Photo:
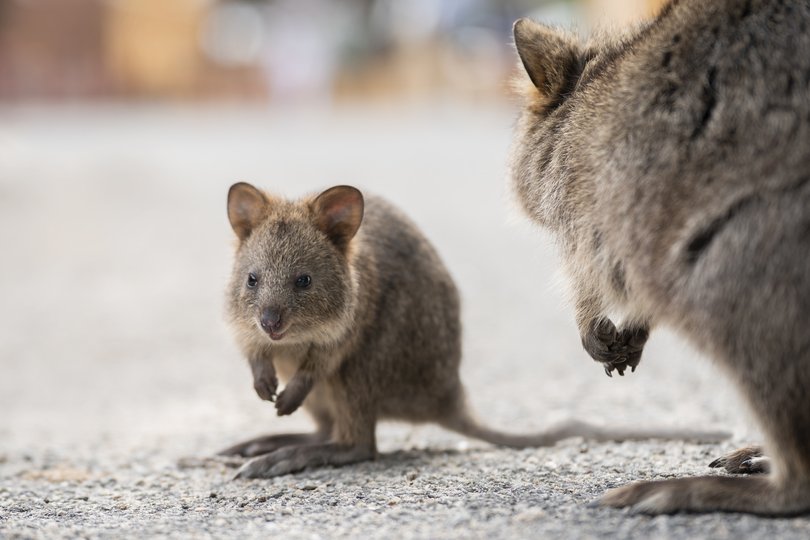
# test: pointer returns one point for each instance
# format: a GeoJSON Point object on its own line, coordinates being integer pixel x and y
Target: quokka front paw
{"type": "Point", "coordinates": [265, 381]}
{"type": "Point", "coordinates": [616, 349]}
{"type": "Point", "coordinates": [293, 395]}
{"type": "Point", "coordinates": [287, 403]}
{"type": "Point", "coordinates": [266, 387]}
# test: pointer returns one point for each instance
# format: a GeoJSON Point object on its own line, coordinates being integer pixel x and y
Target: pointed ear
{"type": "Point", "coordinates": [338, 213]}
{"type": "Point", "coordinates": [246, 208]}
{"type": "Point", "coordinates": [550, 57]}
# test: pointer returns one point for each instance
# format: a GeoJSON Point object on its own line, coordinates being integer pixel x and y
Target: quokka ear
{"type": "Point", "coordinates": [246, 208]}
{"type": "Point", "coordinates": [338, 213]}
{"type": "Point", "coordinates": [551, 57]}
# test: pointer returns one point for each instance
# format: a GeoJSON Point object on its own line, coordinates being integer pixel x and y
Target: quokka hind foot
{"type": "Point", "coordinates": [751, 494]}
{"type": "Point", "coordinates": [292, 459]}
{"type": "Point", "coordinates": [269, 443]}
{"type": "Point", "coordinates": [746, 460]}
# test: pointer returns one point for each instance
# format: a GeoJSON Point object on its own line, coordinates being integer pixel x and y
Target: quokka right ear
{"type": "Point", "coordinates": [551, 57]}
{"type": "Point", "coordinates": [338, 213]}
{"type": "Point", "coordinates": [246, 208]}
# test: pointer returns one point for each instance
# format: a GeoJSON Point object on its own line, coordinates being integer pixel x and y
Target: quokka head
{"type": "Point", "coordinates": [292, 280]}
{"type": "Point", "coordinates": [553, 62]}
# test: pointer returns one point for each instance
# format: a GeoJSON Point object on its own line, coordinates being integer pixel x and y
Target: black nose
{"type": "Point", "coordinates": [271, 319]}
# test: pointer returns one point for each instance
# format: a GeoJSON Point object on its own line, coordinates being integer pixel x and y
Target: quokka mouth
{"type": "Point", "coordinates": [273, 334]}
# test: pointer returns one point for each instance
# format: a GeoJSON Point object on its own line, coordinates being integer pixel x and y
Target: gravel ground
{"type": "Point", "coordinates": [119, 380]}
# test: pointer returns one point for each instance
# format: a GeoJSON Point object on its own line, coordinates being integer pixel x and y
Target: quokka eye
{"type": "Point", "coordinates": [303, 281]}
{"type": "Point", "coordinates": [252, 280]}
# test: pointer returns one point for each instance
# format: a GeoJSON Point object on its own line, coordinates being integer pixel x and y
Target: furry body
{"type": "Point", "coordinates": [673, 164]}
{"type": "Point", "coordinates": [361, 322]}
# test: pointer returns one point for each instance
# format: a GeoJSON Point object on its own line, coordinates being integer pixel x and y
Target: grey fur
{"type": "Point", "coordinates": [679, 153]}
{"type": "Point", "coordinates": [376, 335]}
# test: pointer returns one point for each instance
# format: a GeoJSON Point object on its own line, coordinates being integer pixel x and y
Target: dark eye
{"type": "Point", "coordinates": [252, 280]}
{"type": "Point", "coordinates": [303, 281]}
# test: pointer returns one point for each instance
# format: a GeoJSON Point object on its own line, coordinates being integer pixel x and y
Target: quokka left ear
{"type": "Point", "coordinates": [246, 208]}
{"type": "Point", "coordinates": [338, 213]}
{"type": "Point", "coordinates": [551, 57]}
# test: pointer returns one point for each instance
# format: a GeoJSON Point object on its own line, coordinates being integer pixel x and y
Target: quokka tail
{"type": "Point", "coordinates": [466, 424]}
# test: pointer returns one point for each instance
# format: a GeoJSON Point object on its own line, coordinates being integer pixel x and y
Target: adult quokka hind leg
{"type": "Point", "coordinates": [753, 318]}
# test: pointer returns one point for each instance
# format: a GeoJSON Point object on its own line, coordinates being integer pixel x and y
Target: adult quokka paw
{"type": "Point", "coordinates": [748, 460]}
{"type": "Point", "coordinates": [616, 349]}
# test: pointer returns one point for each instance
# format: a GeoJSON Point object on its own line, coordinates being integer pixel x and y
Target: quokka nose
{"type": "Point", "coordinates": [270, 319]}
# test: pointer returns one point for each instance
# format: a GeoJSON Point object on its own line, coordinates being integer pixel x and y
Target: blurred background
{"type": "Point", "coordinates": [122, 125]}
{"type": "Point", "coordinates": [276, 51]}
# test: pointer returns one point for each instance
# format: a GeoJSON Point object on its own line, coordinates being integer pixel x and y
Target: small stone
{"type": "Point", "coordinates": [533, 514]}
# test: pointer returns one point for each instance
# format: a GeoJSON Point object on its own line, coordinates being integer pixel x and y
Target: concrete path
{"type": "Point", "coordinates": [118, 376]}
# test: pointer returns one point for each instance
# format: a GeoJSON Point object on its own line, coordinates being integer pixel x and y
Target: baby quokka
{"type": "Point", "coordinates": [342, 298]}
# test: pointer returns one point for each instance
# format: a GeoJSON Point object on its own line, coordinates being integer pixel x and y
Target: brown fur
{"type": "Point", "coordinates": [674, 169]}
{"type": "Point", "coordinates": [376, 334]}
{"type": "Point", "coordinates": [747, 460]}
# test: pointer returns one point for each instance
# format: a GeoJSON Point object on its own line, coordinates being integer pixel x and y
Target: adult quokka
{"type": "Point", "coordinates": [673, 164]}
